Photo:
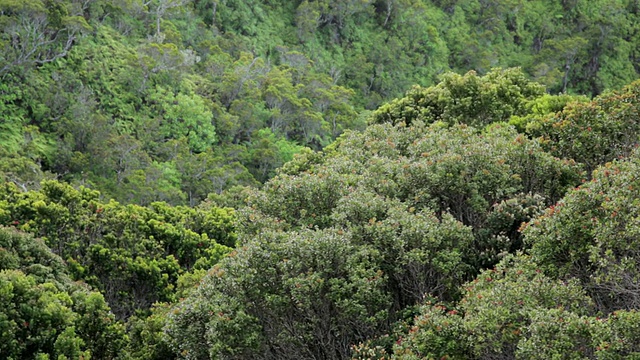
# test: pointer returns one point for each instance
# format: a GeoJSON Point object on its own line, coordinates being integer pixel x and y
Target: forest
{"type": "Point", "coordinates": [319, 179]}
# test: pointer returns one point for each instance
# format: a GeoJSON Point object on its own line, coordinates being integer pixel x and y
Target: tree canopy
{"type": "Point", "coordinates": [329, 179]}
{"type": "Point", "coordinates": [133, 98]}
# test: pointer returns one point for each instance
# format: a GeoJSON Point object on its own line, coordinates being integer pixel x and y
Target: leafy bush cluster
{"type": "Point", "coordinates": [433, 210]}
{"type": "Point", "coordinates": [170, 100]}
{"type": "Point", "coordinates": [44, 313]}
{"type": "Point", "coordinates": [134, 255]}
{"type": "Point", "coordinates": [478, 218]}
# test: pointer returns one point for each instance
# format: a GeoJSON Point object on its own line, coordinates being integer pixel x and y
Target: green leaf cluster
{"type": "Point", "coordinates": [341, 245]}
{"type": "Point", "coordinates": [45, 314]}
{"type": "Point", "coordinates": [132, 254]}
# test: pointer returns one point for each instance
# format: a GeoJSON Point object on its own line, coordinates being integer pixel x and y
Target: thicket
{"type": "Point", "coordinates": [171, 100]}
{"type": "Point", "coordinates": [407, 239]}
{"type": "Point", "coordinates": [436, 232]}
{"type": "Point", "coordinates": [477, 216]}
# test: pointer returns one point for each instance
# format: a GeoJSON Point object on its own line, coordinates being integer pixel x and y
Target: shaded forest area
{"type": "Point", "coordinates": [359, 179]}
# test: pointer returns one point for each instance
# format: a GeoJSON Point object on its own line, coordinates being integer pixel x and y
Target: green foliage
{"type": "Point", "coordinates": [511, 311]}
{"type": "Point", "coordinates": [133, 254]}
{"type": "Point", "coordinates": [184, 114]}
{"type": "Point", "coordinates": [171, 102]}
{"type": "Point", "coordinates": [515, 312]}
{"type": "Point", "coordinates": [283, 296]}
{"type": "Point", "coordinates": [98, 93]}
{"type": "Point", "coordinates": [469, 99]}
{"type": "Point", "coordinates": [37, 32]}
{"type": "Point", "coordinates": [269, 152]}
{"type": "Point", "coordinates": [589, 235]}
{"type": "Point", "coordinates": [541, 107]}
{"type": "Point", "coordinates": [421, 253]}
{"type": "Point", "coordinates": [427, 220]}
{"type": "Point", "coordinates": [44, 313]}
{"type": "Point", "coordinates": [423, 167]}
{"type": "Point", "coordinates": [437, 332]}
{"type": "Point", "coordinates": [31, 256]}
{"type": "Point", "coordinates": [147, 340]}
{"type": "Point", "coordinates": [593, 132]}
{"type": "Point", "coordinates": [505, 305]}
{"type": "Point", "coordinates": [616, 337]}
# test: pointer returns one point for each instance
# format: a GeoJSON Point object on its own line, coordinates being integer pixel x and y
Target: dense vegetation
{"type": "Point", "coordinates": [326, 179]}
{"type": "Point", "coordinates": [171, 100]}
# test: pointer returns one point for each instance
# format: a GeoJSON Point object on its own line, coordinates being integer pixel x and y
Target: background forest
{"type": "Point", "coordinates": [365, 179]}
{"type": "Point", "coordinates": [171, 100]}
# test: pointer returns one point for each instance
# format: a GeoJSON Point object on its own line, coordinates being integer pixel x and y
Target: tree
{"type": "Point", "coordinates": [309, 294]}
{"type": "Point", "coordinates": [161, 7]}
{"type": "Point", "coordinates": [469, 99]}
{"type": "Point", "coordinates": [268, 152]}
{"type": "Point", "coordinates": [594, 132]}
{"type": "Point", "coordinates": [589, 235]}
{"type": "Point", "coordinates": [564, 54]}
{"type": "Point", "coordinates": [419, 221]}
{"type": "Point", "coordinates": [132, 254]}
{"type": "Point", "coordinates": [37, 32]}
{"type": "Point", "coordinates": [184, 114]}
{"type": "Point", "coordinates": [510, 311]}
{"type": "Point", "coordinates": [421, 166]}
{"type": "Point", "coordinates": [44, 312]}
